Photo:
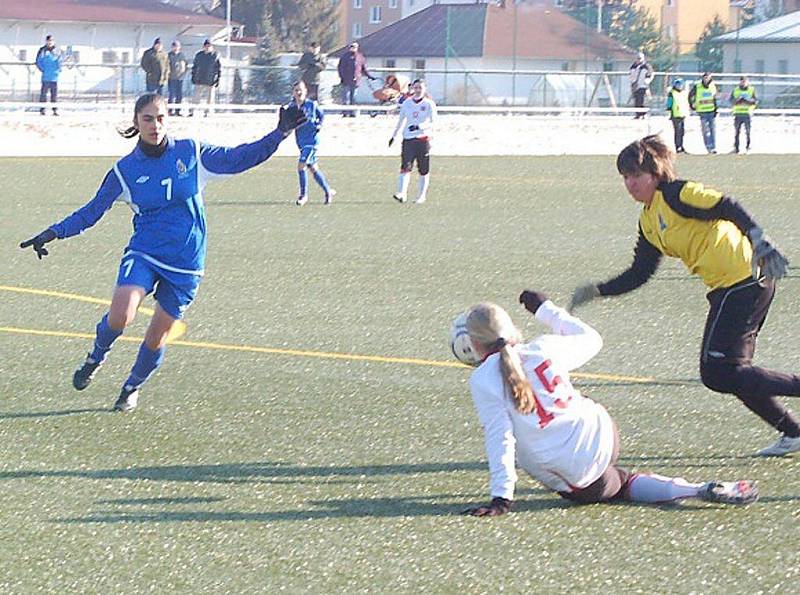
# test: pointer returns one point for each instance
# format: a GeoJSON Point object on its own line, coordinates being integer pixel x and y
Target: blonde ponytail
{"type": "Point", "coordinates": [491, 328]}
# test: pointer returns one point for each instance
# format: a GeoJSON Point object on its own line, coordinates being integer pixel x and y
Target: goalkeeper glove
{"type": "Point", "coordinates": [391, 141]}
{"type": "Point", "coordinates": [766, 255]}
{"type": "Point", "coordinates": [290, 118]}
{"type": "Point", "coordinates": [583, 294]}
{"type": "Point", "coordinates": [498, 506]}
{"type": "Point", "coordinates": [38, 242]}
{"type": "Point", "coordinates": [532, 300]}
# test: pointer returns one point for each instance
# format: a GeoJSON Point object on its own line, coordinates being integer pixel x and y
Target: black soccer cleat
{"type": "Point", "coordinates": [128, 399]}
{"type": "Point", "coordinates": [85, 373]}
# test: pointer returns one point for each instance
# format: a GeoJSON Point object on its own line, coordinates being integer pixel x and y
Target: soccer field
{"type": "Point", "coordinates": [310, 432]}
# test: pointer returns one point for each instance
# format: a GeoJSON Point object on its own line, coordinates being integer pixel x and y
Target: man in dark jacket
{"type": "Point", "coordinates": [352, 66]}
{"type": "Point", "coordinates": [311, 64]}
{"type": "Point", "coordinates": [155, 64]}
{"type": "Point", "coordinates": [177, 71]}
{"type": "Point", "coordinates": [206, 70]}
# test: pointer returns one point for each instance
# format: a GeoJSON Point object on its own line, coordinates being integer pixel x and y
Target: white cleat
{"type": "Point", "coordinates": [128, 399]}
{"type": "Point", "coordinates": [730, 492]}
{"type": "Point", "coordinates": [329, 196]}
{"type": "Point", "coordinates": [783, 446]}
{"type": "Point", "coordinates": [421, 199]}
{"type": "Point", "coordinates": [301, 200]}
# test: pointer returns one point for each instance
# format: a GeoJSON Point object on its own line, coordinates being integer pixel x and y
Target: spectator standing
{"type": "Point", "coordinates": [743, 99]}
{"type": "Point", "coordinates": [206, 70]}
{"type": "Point", "coordinates": [641, 74]}
{"type": "Point", "coordinates": [352, 66]}
{"type": "Point", "coordinates": [177, 70]}
{"type": "Point", "coordinates": [678, 108]}
{"type": "Point", "coordinates": [48, 61]}
{"type": "Point", "coordinates": [703, 99]}
{"type": "Point", "coordinates": [311, 65]}
{"type": "Point", "coordinates": [155, 64]}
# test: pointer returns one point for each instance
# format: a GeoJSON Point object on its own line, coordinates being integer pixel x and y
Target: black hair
{"type": "Point", "coordinates": [141, 103]}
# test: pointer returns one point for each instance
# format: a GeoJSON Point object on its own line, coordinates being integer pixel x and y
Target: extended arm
{"type": "Point", "coordinates": [646, 259]}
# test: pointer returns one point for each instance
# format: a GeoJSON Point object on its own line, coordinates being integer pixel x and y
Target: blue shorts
{"type": "Point", "coordinates": [174, 291]}
{"type": "Point", "coordinates": [308, 154]}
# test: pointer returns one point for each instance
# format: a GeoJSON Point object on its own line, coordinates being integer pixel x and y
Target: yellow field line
{"type": "Point", "coordinates": [303, 353]}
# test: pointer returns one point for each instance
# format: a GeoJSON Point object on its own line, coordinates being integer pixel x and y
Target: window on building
{"type": "Point", "coordinates": [760, 66]}
{"type": "Point", "coordinates": [358, 30]}
{"type": "Point", "coordinates": [558, 3]}
{"type": "Point", "coordinates": [76, 56]}
{"type": "Point", "coordinates": [419, 68]}
{"type": "Point", "coordinates": [375, 14]}
{"type": "Point", "coordinates": [109, 57]}
{"type": "Point", "coordinates": [357, 3]}
{"type": "Point", "coordinates": [608, 66]}
{"type": "Point", "coordinates": [390, 63]}
{"type": "Point", "coordinates": [565, 66]}
{"type": "Point", "coordinates": [22, 55]}
{"type": "Point", "coordinates": [392, 3]}
{"type": "Point", "coordinates": [783, 66]}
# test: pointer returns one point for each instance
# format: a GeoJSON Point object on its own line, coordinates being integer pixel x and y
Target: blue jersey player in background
{"type": "Point", "coordinates": [307, 137]}
{"type": "Point", "coordinates": [162, 181]}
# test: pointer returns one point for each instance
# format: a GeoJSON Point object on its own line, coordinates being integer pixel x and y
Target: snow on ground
{"type": "Point", "coordinates": [94, 134]}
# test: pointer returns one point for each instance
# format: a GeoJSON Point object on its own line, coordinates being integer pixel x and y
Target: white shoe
{"type": "Point", "coordinates": [301, 200]}
{"type": "Point", "coordinates": [128, 399]}
{"type": "Point", "coordinates": [421, 199]}
{"type": "Point", "coordinates": [399, 197]}
{"type": "Point", "coordinates": [730, 492]}
{"type": "Point", "coordinates": [783, 446]}
{"type": "Point", "coordinates": [329, 196]}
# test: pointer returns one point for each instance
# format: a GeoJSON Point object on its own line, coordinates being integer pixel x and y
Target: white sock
{"type": "Point", "coordinates": [654, 488]}
{"type": "Point", "coordinates": [423, 185]}
{"type": "Point", "coordinates": [402, 183]}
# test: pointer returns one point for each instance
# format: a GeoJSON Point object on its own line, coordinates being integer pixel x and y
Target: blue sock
{"type": "Point", "coordinates": [104, 340]}
{"type": "Point", "coordinates": [320, 178]}
{"type": "Point", "coordinates": [301, 173]}
{"type": "Point", "coordinates": [147, 362]}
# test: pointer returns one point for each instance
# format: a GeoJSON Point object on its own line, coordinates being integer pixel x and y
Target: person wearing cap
{"type": "Point", "coordinates": [352, 66]}
{"type": "Point", "coordinates": [703, 99]}
{"type": "Point", "coordinates": [678, 109]}
{"type": "Point", "coordinates": [155, 64]}
{"type": "Point", "coordinates": [640, 74]}
{"type": "Point", "coordinates": [743, 99]}
{"type": "Point", "coordinates": [206, 70]}
{"type": "Point", "coordinates": [177, 71]}
{"type": "Point", "coordinates": [48, 60]}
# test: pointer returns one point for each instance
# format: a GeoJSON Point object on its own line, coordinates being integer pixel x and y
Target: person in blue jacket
{"type": "Point", "coordinates": [48, 61]}
{"type": "Point", "coordinates": [162, 181]}
{"type": "Point", "coordinates": [307, 137]}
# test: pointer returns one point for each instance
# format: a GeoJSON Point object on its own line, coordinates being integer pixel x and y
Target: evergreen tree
{"type": "Point", "coordinates": [267, 85]}
{"type": "Point", "coordinates": [295, 23]}
{"type": "Point", "coordinates": [709, 52]}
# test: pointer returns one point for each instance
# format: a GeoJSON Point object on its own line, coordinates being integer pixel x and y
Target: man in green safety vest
{"type": "Point", "coordinates": [743, 99]}
{"type": "Point", "coordinates": [678, 108]}
{"type": "Point", "coordinates": [703, 99]}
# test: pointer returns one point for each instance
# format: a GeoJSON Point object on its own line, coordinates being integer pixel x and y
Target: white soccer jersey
{"type": "Point", "coordinates": [568, 440]}
{"type": "Point", "coordinates": [418, 117]}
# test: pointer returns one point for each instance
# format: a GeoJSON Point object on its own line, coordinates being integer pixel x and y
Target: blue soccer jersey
{"type": "Point", "coordinates": [307, 135]}
{"type": "Point", "coordinates": [165, 194]}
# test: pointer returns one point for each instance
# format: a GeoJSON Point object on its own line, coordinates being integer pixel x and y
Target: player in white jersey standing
{"type": "Point", "coordinates": [417, 114]}
{"type": "Point", "coordinates": [532, 414]}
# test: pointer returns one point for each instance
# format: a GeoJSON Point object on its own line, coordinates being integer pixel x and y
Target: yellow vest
{"type": "Point", "coordinates": [680, 103]}
{"type": "Point", "coordinates": [704, 98]}
{"type": "Point", "coordinates": [743, 108]}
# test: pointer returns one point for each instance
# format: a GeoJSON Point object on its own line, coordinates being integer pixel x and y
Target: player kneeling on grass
{"type": "Point", "coordinates": [717, 239]}
{"type": "Point", "coordinates": [162, 180]}
{"type": "Point", "coordinates": [307, 137]}
{"type": "Point", "coordinates": [416, 119]}
{"type": "Point", "coordinates": [532, 414]}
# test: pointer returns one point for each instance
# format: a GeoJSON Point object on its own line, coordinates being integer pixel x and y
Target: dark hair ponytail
{"type": "Point", "coordinates": [142, 102]}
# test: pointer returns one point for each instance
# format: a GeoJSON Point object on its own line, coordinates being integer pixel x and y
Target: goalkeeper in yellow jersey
{"type": "Point", "coordinates": [718, 240]}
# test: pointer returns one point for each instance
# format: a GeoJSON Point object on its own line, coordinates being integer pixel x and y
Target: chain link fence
{"type": "Point", "coordinates": [115, 83]}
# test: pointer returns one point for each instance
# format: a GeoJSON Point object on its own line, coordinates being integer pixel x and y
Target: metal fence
{"type": "Point", "coordinates": [101, 83]}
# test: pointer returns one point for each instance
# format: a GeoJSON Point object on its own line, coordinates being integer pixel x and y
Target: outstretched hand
{"type": "Point", "coordinates": [766, 256]}
{"type": "Point", "coordinates": [290, 118]}
{"type": "Point", "coordinates": [583, 294]}
{"type": "Point", "coordinates": [532, 300]}
{"type": "Point", "coordinates": [497, 507]}
{"type": "Point", "coordinates": [38, 242]}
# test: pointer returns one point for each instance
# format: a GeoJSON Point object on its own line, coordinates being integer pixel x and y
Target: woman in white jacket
{"type": "Point", "coordinates": [532, 414]}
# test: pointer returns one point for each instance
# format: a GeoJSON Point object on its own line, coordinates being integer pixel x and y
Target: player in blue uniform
{"type": "Point", "coordinates": [162, 181]}
{"type": "Point", "coordinates": [307, 137]}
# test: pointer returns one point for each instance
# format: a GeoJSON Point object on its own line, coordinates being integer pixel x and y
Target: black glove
{"type": "Point", "coordinates": [532, 300]}
{"type": "Point", "coordinates": [290, 118]}
{"type": "Point", "coordinates": [498, 506]}
{"type": "Point", "coordinates": [391, 141]}
{"type": "Point", "coordinates": [38, 242]}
